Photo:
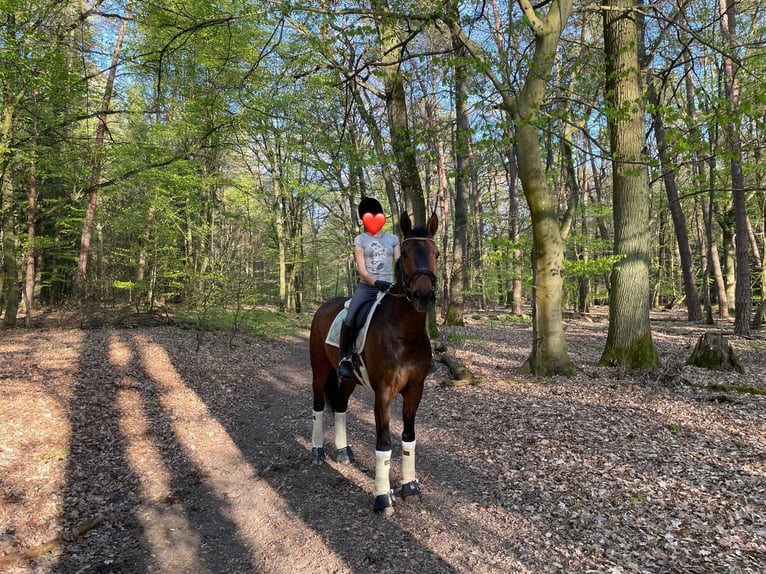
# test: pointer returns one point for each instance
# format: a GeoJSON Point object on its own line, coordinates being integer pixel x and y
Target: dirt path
{"type": "Point", "coordinates": [195, 460]}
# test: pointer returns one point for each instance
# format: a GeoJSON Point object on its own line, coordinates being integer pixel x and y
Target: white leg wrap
{"type": "Point", "coordinates": [382, 467]}
{"type": "Point", "coordinates": [408, 462]}
{"type": "Point", "coordinates": [340, 431]}
{"type": "Point", "coordinates": [317, 434]}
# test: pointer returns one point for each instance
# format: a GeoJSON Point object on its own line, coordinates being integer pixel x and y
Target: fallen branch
{"type": "Point", "coordinates": [53, 545]}
{"type": "Point", "coordinates": [461, 374]}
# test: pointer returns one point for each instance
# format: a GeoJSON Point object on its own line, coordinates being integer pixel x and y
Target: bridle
{"type": "Point", "coordinates": [406, 280]}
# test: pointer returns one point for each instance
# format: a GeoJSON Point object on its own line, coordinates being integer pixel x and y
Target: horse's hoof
{"type": "Point", "coordinates": [344, 455]}
{"type": "Point", "coordinates": [317, 455]}
{"type": "Point", "coordinates": [384, 503]}
{"type": "Point", "coordinates": [412, 488]}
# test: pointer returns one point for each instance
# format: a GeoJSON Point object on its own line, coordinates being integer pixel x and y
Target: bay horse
{"type": "Point", "coordinates": [397, 354]}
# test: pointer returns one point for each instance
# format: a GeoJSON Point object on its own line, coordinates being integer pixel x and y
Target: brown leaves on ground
{"type": "Point", "coordinates": [197, 460]}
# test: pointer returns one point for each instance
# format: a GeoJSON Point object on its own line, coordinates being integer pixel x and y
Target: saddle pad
{"type": "Point", "coordinates": [333, 335]}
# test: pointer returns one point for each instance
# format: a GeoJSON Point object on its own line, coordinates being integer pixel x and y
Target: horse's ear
{"type": "Point", "coordinates": [405, 224]}
{"type": "Point", "coordinates": [433, 224]}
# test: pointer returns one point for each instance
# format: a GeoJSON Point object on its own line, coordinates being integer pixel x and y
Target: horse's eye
{"type": "Point", "coordinates": [437, 254]}
{"type": "Point", "coordinates": [404, 255]}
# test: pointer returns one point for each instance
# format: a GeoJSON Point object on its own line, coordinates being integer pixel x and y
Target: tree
{"type": "Point", "coordinates": [454, 315]}
{"type": "Point", "coordinates": [391, 48]}
{"type": "Point", "coordinates": [98, 159]}
{"type": "Point", "coordinates": [549, 354]}
{"type": "Point", "coordinates": [629, 339]}
{"type": "Point", "coordinates": [693, 310]}
{"type": "Point", "coordinates": [743, 294]}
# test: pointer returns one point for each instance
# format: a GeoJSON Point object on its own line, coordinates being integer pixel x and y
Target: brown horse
{"type": "Point", "coordinates": [397, 354]}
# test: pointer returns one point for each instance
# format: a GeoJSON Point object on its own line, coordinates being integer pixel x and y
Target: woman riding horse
{"type": "Point", "coordinates": [397, 356]}
{"type": "Point", "coordinates": [375, 253]}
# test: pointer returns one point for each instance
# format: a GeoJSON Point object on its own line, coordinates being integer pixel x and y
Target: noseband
{"type": "Point", "coordinates": [408, 279]}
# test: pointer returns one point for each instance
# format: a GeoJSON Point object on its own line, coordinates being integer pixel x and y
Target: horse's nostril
{"type": "Point", "coordinates": [424, 298]}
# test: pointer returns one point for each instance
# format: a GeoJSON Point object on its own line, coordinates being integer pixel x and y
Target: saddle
{"type": "Point", "coordinates": [362, 325]}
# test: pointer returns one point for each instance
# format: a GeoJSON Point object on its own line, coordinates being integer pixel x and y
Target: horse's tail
{"type": "Point", "coordinates": [333, 392]}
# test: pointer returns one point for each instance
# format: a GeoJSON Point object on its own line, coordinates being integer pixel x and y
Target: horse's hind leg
{"type": "Point", "coordinates": [325, 386]}
{"type": "Point", "coordinates": [411, 400]}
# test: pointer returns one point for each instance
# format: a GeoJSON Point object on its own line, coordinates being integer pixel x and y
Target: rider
{"type": "Point", "coordinates": [375, 254]}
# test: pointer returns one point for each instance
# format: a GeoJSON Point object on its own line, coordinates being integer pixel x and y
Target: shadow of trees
{"type": "Point", "coordinates": [513, 476]}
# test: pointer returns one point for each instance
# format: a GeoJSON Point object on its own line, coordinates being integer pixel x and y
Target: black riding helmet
{"type": "Point", "coordinates": [369, 205]}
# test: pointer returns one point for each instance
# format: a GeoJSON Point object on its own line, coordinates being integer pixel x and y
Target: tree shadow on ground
{"type": "Point", "coordinates": [513, 476]}
{"type": "Point", "coordinates": [105, 476]}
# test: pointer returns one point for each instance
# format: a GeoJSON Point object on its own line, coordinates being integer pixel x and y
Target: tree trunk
{"type": "Point", "coordinates": [713, 254]}
{"type": "Point", "coordinates": [693, 310]}
{"type": "Point", "coordinates": [761, 313]}
{"type": "Point", "coordinates": [29, 270]}
{"type": "Point", "coordinates": [729, 265]}
{"type": "Point", "coordinates": [444, 218]}
{"type": "Point", "coordinates": [9, 285]}
{"type": "Point", "coordinates": [460, 257]}
{"type": "Point", "coordinates": [10, 268]}
{"type": "Point", "coordinates": [476, 274]}
{"type": "Point", "coordinates": [743, 293]}
{"type": "Point", "coordinates": [379, 145]}
{"type": "Point", "coordinates": [713, 351]}
{"type": "Point", "coordinates": [95, 178]}
{"type": "Point", "coordinates": [396, 111]}
{"type": "Point", "coordinates": [514, 292]}
{"type": "Point", "coordinates": [583, 282]}
{"type": "Point", "coordinates": [629, 339]}
{"type": "Point", "coordinates": [549, 354]}
{"type": "Point", "coordinates": [704, 231]}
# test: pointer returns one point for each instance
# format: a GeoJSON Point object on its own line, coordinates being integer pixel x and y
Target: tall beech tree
{"type": "Point", "coordinates": [392, 40]}
{"type": "Point", "coordinates": [460, 259]}
{"type": "Point", "coordinates": [549, 355]}
{"type": "Point", "coordinates": [629, 339]}
{"type": "Point", "coordinates": [743, 293]}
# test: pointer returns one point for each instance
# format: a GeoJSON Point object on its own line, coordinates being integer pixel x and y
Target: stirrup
{"type": "Point", "coordinates": [348, 372]}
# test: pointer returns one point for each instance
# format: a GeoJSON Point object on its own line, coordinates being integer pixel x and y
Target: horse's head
{"type": "Point", "coordinates": [417, 264]}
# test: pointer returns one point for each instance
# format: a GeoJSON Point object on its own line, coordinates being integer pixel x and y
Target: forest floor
{"type": "Point", "coordinates": [157, 449]}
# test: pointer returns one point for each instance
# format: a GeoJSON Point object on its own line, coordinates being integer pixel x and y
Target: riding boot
{"type": "Point", "coordinates": [345, 368]}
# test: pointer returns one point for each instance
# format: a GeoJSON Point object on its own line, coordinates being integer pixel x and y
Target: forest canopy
{"type": "Point", "coordinates": [213, 154]}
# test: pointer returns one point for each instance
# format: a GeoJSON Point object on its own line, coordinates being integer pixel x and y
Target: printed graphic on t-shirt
{"type": "Point", "coordinates": [377, 256]}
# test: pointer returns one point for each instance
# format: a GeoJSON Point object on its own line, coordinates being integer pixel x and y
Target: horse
{"type": "Point", "coordinates": [397, 354]}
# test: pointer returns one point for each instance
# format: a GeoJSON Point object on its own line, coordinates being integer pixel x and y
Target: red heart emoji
{"type": "Point", "coordinates": [373, 222]}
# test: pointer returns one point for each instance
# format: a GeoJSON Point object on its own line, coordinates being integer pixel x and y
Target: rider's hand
{"type": "Point", "coordinates": [382, 285]}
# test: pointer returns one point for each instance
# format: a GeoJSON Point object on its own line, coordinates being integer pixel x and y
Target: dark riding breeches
{"type": "Point", "coordinates": [363, 293]}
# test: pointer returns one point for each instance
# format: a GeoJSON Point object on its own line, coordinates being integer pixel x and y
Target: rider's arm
{"type": "Point", "coordinates": [361, 267]}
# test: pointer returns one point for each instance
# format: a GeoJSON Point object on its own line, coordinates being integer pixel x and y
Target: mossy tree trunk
{"type": "Point", "coordinates": [549, 354]}
{"type": "Point", "coordinates": [629, 339]}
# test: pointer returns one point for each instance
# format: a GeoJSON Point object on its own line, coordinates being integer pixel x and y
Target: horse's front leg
{"type": "Point", "coordinates": [410, 401]}
{"type": "Point", "coordinates": [384, 499]}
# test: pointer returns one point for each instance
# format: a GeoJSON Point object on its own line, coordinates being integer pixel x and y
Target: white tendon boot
{"type": "Point", "coordinates": [384, 501]}
{"type": "Point", "coordinates": [317, 436]}
{"type": "Point", "coordinates": [340, 431]}
{"type": "Point", "coordinates": [409, 480]}
{"type": "Point", "coordinates": [343, 452]}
